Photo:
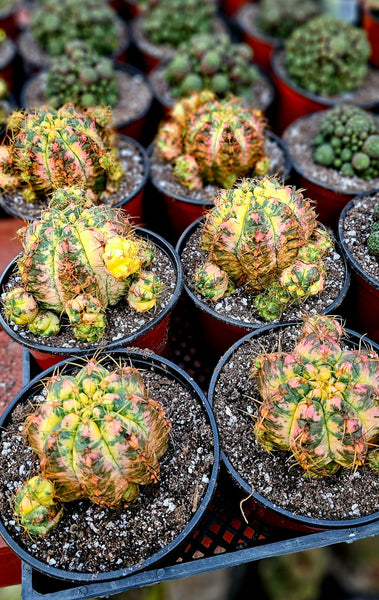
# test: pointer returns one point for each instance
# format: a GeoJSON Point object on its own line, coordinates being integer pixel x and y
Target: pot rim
{"type": "Point", "coordinates": [279, 511]}
{"type": "Point", "coordinates": [141, 360]}
{"type": "Point", "coordinates": [158, 241]}
{"type": "Point", "coordinates": [256, 33]}
{"type": "Point", "coordinates": [251, 327]}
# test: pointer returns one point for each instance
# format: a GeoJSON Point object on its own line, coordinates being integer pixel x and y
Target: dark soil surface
{"type": "Point", "coordinates": [275, 475]}
{"type": "Point", "coordinates": [94, 539]}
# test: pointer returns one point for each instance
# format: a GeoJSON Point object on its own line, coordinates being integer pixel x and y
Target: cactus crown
{"type": "Point", "coordinates": [278, 18]}
{"type": "Point", "coordinates": [174, 21]}
{"type": "Point", "coordinates": [56, 23]}
{"type": "Point", "coordinates": [348, 140]}
{"type": "Point", "coordinates": [82, 77]}
{"type": "Point", "coordinates": [209, 62]}
{"type": "Point", "coordinates": [327, 56]}
{"type": "Point", "coordinates": [49, 149]}
{"type": "Point", "coordinates": [265, 236]}
{"type": "Point", "coordinates": [212, 141]}
{"type": "Point", "coordinates": [319, 401]}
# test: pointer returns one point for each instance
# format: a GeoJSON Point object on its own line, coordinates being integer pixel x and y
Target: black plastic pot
{"type": "Point", "coordinates": [144, 362]}
{"type": "Point", "coordinates": [256, 506]}
{"type": "Point", "coordinates": [153, 335]}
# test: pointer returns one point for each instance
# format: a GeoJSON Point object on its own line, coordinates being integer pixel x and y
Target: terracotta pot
{"type": "Point", "coordinates": [370, 23]}
{"type": "Point", "coordinates": [262, 45]}
{"type": "Point", "coordinates": [153, 335]}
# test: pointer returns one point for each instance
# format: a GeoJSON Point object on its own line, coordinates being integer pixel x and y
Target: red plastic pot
{"type": "Point", "coordinates": [230, 7]}
{"type": "Point", "coordinates": [10, 566]}
{"type": "Point", "coordinates": [8, 20]}
{"type": "Point", "coordinates": [262, 45]}
{"type": "Point", "coordinates": [370, 23]}
{"type": "Point", "coordinates": [256, 506]}
{"type": "Point", "coordinates": [219, 332]}
{"type": "Point", "coordinates": [153, 335]}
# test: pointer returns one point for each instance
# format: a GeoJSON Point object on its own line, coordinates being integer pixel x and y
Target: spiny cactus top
{"type": "Point", "coordinates": [98, 435]}
{"type": "Point", "coordinates": [348, 140]}
{"type": "Point", "coordinates": [48, 149]}
{"type": "Point", "coordinates": [278, 18]}
{"type": "Point", "coordinates": [55, 23]}
{"type": "Point", "coordinates": [174, 21]}
{"type": "Point", "coordinates": [319, 401]}
{"type": "Point", "coordinates": [82, 77]}
{"type": "Point", "coordinates": [212, 141]}
{"type": "Point", "coordinates": [265, 236]}
{"type": "Point", "coordinates": [373, 238]}
{"type": "Point", "coordinates": [78, 259]}
{"type": "Point", "coordinates": [209, 62]}
{"type": "Point", "coordinates": [327, 56]}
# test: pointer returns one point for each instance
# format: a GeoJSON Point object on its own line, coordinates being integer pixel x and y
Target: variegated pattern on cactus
{"type": "Point", "coordinates": [36, 506]}
{"type": "Point", "coordinates": [320, 401]}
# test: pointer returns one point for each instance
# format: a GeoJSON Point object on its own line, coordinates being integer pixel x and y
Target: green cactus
{"type": "Point", "coordinates": [264, 236]}
{"type": "Point", "coordinates": [48, 149]}
{"type": "Point", "coordinates": [56, 23]}
{"type": "Point", "coordinates": [319, 401]}
{"type": "Point", "coordinates": [212, 141]}
{"type": "Point", "coordinates": [82, 77]}
{"type": "Point", "coordinates": [327, 56]}
{"type": "Point", "coordinates": [212, 62]}
{"type": "Point", "coordinates": [78, 259]}
{"type": "Point", "coordinates": [212, 282]}
{"type": "Point", "coordinates": [174, 21]}
{"type": "Point", "coordinates": [373, 238]}
{"type": "Point", "coordinates": [279, 18]}
{"type": "Point", "coordinates": [348, 140]}
{"type": "Point", "coordinates": [36, 506]}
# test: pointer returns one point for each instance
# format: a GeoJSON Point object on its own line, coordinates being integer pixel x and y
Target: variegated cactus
{"type": "Point", "coordinates": [320, 402]}
{"type": "Point", "coordinates": [265, 236]}
{"type": "Point", "coordinates": [37, 507]}
{"type": "Point", "coordinates": [48, 149]}
{"type": "Point", "coordinates": [78, 259]}
{"type": "Point", "coordinates": [213, 141]}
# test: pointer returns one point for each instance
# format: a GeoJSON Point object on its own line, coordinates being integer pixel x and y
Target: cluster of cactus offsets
{"type": "Point", "coordinates": [49, 149]}
{"type": "Point", "coordinates": [213, 141]}
{"type": "Point", "coordinates": [175, 21]}
{"type": "Point", "coordinates": [264, 236]}
{"type": "Point", "coordinates": [327, 56]}
{"type": "Point", "coordinates": [319, 401]}
{"type": "Point", "coordinates": [279, 18]}
{"type": "Point", "coordinates": [373, 238]}
{"type": "Point", "coordinates": [56, 23]}
{"type": "Point", "coordinates": [348, 140]}
{"type": "Point", "coordinates": [78, 259]}
{"type": "Point", "coordinates": [36, 506]}
{"type": "Point", "coordinates": [82, 77]}
{"type": "Point", "coordinates": [98, 436]}
{"type": "Point", "coordinates": [210, 62]}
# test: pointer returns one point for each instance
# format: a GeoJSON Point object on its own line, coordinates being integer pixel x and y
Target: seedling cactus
{"type": "Point", "coordinates": [319, 401]}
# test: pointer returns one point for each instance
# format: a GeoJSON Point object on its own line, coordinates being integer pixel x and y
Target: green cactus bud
{"type": "Point", "coordinates": [20, 306]}
{"type": "Point", "coordinates": [373, 243]}
{"type": "Point", "coordinates": [220, 84]}
{"type": "Point", "coordinates": [46, 324]}
{"type": "Point", "coordinates": [143, 293]}
{"type": "Point", "coordinates": [371, 146]}
{"type": "Point", "coordinates": [212, 282]}
{"type": "Point", "coordinates": [36, 507]}
{"type": "Point", "coordinates": [360, 161]}
{"type": "Point", "coordinates": [376, 212]}
{"type": "Point", "coordinates": [324, 155]}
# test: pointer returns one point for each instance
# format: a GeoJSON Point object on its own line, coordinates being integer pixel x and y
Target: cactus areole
{"type": "Point", "coordinates": [320, 401]}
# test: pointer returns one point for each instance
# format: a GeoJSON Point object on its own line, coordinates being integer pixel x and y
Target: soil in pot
{"type": "Point", "coordinates": [92, 540]}
{"type": "Point", "coordinates": [346, 495]}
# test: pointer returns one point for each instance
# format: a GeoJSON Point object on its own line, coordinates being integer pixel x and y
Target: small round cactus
{"type": "Point", "coordinates": [36, 506]}
{"type": "Point", "coordinates": [278, 18]}
{"type": "Point", "coordinates": [373, 238]}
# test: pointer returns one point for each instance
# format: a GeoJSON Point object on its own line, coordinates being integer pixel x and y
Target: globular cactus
{"type": "Point", "coordinates": [77, 260]}
{"type": "Point", "coordinates": [319, 401]}
{"type": "Point", "coordinates": [264, 236]}
{"type": "Point", "coordinates": [174, 21]}
{"type": "Point", "coordinates": [373, 238]}
{"type": "Point", "coordinates": [279, 18]}
{"type": "Point", "coordinates": [98, 435]}
{"type": "Point", "coordinates": [327, 56]}
{"type": "Point", "coordinates": [56, 23]}
{"type": "Point", "coordinates": [212, 62]}
{"type": "Point", "coordinates": [82, 77]}
{"type": "Point", "coordinates": [212, 141]}
{"type": "Point", "coordinates": [348, 140]}
{"type": "Point", "coordinates": [48, 149]}
{"type": "Point", "coordinates": [36, 506]}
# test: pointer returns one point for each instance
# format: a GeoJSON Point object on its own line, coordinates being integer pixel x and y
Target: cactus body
{"type": "Point", "coordinates": [278, 18]}
{"type": "Point", "coordinates": [36, 507]}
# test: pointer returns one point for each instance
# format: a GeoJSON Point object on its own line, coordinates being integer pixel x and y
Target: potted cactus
{"type": "Point", "coordinates": [335, 155]}
{"type": "Point", "coordinates": [208, 143]}
{"type": "Point", "coordinates": [323, 63]}
{"type": "Point", "coordinates": [47, 149]}
{"type": "Point", "coordinates": [119, 457]}
{"type": "Point", "coordinates": [303, 398]}
{"type": "Point", "coordinates": [370, 23]}
{"type": "Point", "coordinates": [85, 278]}
{"type": "Point", "coordinates": [259, 255]}
{"type": "Point", "coordinates": [266, 24]}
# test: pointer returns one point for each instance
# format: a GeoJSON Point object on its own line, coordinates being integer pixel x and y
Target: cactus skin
{"type": "Point", "coordinates": [49, 149]}
{"type": "Point", "coordinates": [46, 323]}
{"type": "Point", "coordinates": [279, 19]}
{"type": "Point", "coordinates": [327, 56]}
{"type": "Point", "coordinates": [348, 141]}
{"type": "Point", "coordinates": [212, 282]}
{"type": "Point", "coordinates": [98, 435]}
{"type": "Point", "coordinates": [319, 401]}
{"type": "Point", "coordinates": [212, 141]}
{"type": "Point", "coordinates": [82, 77]}
{"type": "Point", "coordinates": [36, 507]}
{"type": "Point", "coordinates": [143, 294]}
{"type": "Point", "coordinates": [78, 259]}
